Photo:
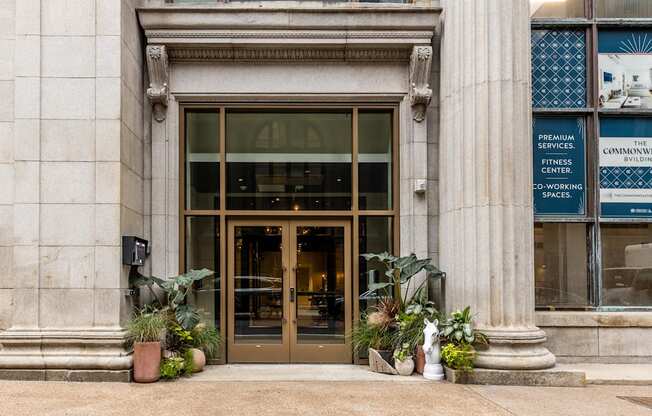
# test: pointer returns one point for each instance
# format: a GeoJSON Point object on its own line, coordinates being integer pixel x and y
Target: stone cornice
{"type": "Point", "coordinates": [245, 29]}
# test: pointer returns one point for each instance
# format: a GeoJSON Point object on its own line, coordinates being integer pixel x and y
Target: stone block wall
{"type": "Point", "coordinates": [71, 169]}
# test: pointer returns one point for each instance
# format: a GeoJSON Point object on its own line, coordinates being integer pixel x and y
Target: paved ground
{"type": "Point", "coordinates": [314, 398]}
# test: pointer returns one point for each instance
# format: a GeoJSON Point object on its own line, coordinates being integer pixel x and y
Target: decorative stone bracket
{"type": "Point", "coordinates": [420, 92]}
{"type": "Point", "coordinates": [157, 67]}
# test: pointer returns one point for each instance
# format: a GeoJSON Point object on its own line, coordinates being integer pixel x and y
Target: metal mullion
{"type": "Point", "coordinates": [288, 213]}
{"type": "Point", "coordinates": [354, 162]}
{"type": "Point", "coordinates": [595, 268]}
{"type": "Point", "coordinates": [355, 271]}
{"type": "Point", "coordinates": [182, 189]}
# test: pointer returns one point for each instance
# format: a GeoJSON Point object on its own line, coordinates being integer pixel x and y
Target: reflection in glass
{"type": "Point", "coordinates": [375, 237]}
{"type": "Point", "coordinates": [375, 159]}
{"type": "Point", "coordinates": [282, 160]}
{"type": "Point", "coordinates": [560, 264]}
{"type": "Point", "coordinates": [624, 8]}
{"type": "Point", "coordinates": [556, 8]}
{"type": "Point", "coordinates": [258, 285]}
{"type": "Point", "coordinates": [320, 285]}
{"type": "Point", "coordinates": [202, 159]}
{"type": "Point", "coordinates": [626, 264]}
{"type": "Point", "coordinates": [202, 244]}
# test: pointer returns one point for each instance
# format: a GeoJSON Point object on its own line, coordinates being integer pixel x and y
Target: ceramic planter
{"type": "Point", "coordinates": [198, 360]}
{"type": "Point", "coordinates": [420, 359]}
{"type": "Point", "coordinates": [147, 362]}
{"type": "Point", "coordinates": [404, 367]}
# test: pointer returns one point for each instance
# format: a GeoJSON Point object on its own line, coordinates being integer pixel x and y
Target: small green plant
{"type": "Point", "coordinates": [146, 326]}
{"type": "Point", "coordinates": [458, 356]}
{"type": "Point", "coordinates": [404, 352]}
{"type": "Point", "coordinates": [207, 339]}
{"type": "Point", "coordinates": [172, 367]}
{"type": "Point", "coordinates": [411, 323]}
{"type": "Point", "coordinates": [458, 329]}
{"type": "Point", "coordinates": [366, 335]}
{"type": "Point", "coordinates": [177, 366]}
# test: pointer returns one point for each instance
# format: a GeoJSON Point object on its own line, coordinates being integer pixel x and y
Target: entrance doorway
{"type": "Point", "coordinates": [289, 291]}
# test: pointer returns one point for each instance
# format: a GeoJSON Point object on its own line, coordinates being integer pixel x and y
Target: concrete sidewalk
{"type": "Point", "coordinates": [314, 398]}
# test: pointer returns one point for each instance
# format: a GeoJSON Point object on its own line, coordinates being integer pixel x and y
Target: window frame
{"type": "Point", "coordinates": [223, 214]}
{"type": "Point", "coordinates": [591, 115]}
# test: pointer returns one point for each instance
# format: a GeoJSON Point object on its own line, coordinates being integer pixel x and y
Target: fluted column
{"type": "Point", "coordinates": [486, 233]}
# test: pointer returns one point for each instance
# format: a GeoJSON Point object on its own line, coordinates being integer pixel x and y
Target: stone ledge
{"type": "Point", "coordinates": [593, 319]}
{"type": "Point", "coordinates": [545, 378]}
{"type": "Point", "coordinates": [120, 376]}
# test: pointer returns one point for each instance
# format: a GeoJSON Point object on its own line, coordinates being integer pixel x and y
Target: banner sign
{"type": "Point", "coordinates": [626, 167]}
{"type": "Point", "coordinates": [559, 166]}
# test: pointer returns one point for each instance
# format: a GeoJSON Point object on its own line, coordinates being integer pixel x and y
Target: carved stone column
{"type": "Point", "coordinates": [486, 233]}
{"type": "Point", "coordinates": [157, 68]}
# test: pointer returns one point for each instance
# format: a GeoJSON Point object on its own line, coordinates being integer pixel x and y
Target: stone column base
{"type": "Point", "coordinates": [513, 349]}
{"type": "Point", "coordinates": [47, 354]}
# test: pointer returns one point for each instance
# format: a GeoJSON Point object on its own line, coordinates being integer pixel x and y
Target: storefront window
{"type": "Point", "coordinates": [561, 264]}
{"type": "Point", "coordinates": [280, 160]}
{"type": "Point", "coordinates": [375, 160]}
{"type": "Point", "coordinates": [203, 156]}
{"type": "Point", "coordinates": [624, 8]}
{"type": "Point", "coordinates": [627, 264]}
{"type": "Point", "coordinates": [202, 235]}
{"type": "Point", "coordinates": [556, 8]}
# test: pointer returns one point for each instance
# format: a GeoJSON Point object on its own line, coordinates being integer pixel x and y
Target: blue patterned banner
{"type": "Point", "coordinates": [626, 167]}
{"type": "Point", "coordinates": [558, 69]}
{"type": "Point", "coordinates": [559, 180]}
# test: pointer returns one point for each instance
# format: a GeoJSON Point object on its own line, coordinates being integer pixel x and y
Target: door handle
{"type": "Point", "coordinates": [291, 294]}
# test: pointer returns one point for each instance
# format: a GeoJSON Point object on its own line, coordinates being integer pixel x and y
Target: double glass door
{"type": "Point", "coordinates": [289, 291]}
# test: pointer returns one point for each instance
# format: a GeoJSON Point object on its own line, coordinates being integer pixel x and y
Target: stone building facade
{"type": "Point", "coordinates": [100, 97]}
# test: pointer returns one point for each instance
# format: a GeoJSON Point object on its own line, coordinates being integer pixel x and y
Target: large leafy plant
{"type": "Point", "coordinates": [400, 272]}
{"type": "Point", "coordinates": [458, 329]}
{"type": "Point", "coordinates": [176, 291]}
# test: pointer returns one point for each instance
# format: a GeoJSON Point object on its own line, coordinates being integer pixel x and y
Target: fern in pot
{"type": "Point", "coordinates": [144, 332]}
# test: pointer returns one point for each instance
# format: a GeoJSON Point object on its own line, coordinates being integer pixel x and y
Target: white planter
{"type": "Point", "coordinates": [405, 367]}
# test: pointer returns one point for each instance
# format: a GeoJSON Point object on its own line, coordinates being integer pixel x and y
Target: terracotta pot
{"type": "Point", "coordinates": [198, 360]}
{"type": "Point", "coordinates": [147, 362]}
{"type": "Point", "coordinates": [405, 367]}
{"type": "Point", "coordinates": [420, 359]}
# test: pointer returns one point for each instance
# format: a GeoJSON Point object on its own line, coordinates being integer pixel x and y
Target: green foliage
{"type": "Point", "coordinates": [400, 271]}
{"type": "Point", "coordinates": [146, 326]}
{"type": "Point", "coordinates": [176, 291]}
{"type": "Point", "coordinates": [458, 329]}
{"type": "Point", "coordinates": [365, 336]}
{"type": "Point", "coordinates": [178, 338]}
{"type": "Point", "coordinates": [172, 367]}
{"type": "Point", "coordinates": [207, 339]}
{"type": "Point", "coordinates": [458, 356]}
{"type": "Point", "coordinates": [177, 366]}
{"type": "Point", "coordinates": [411, 324]}
{"type": "Point", "coordinates": [405, 351]}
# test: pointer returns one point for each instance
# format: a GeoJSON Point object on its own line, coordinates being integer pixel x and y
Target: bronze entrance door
{"type": "Point", "coordinates": [289, 291]}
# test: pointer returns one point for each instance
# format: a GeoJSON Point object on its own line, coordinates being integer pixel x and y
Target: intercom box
{"type": "Point", "coordinates": [134, 250]}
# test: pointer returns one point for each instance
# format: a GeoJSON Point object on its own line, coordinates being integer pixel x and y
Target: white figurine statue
{"type": "Point", "coordinates": [433, 369]}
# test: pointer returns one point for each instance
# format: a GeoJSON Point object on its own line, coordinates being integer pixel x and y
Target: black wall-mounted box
{"type": "Point", "coordinates": [134, 250]}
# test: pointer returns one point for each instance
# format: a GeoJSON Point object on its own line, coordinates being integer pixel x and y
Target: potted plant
{"type": "Point", "coordinates": [144, 332]}
{"type": "Point", "coordinates": [403, 360]}
{"type": "Point", "coordinates": [411, 325]}
{"type": "Point", "coordinates": [205, 344]}
{"type": "Point", "coordinates": [460, 339]}
{"type": "Point", "coordinates": [378, 330]}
